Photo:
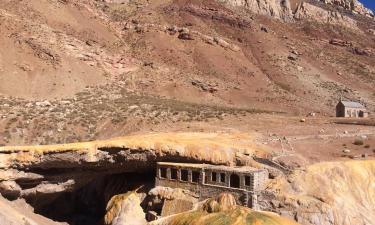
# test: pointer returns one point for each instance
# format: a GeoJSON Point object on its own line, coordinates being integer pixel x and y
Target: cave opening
{"type": "Point", "coordinates": [87, 205]}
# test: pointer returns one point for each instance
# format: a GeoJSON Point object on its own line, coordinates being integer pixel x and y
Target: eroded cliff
{"type": "Point", "coordinates": [329, 193]}
{"type": "Point", "coordinates": [44, 174]}
{"type": "Point", "coordinates": [89, 174]}
{"type": "Point", "coordinates": [314, 10]}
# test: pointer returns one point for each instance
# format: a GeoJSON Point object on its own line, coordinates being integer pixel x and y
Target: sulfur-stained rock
{"type": "Point", "coordinates": [125, 209]}
{"type": "Point", "coordinates": [223, 211]}
{"type": "Point", "coordinates": [347, 193]}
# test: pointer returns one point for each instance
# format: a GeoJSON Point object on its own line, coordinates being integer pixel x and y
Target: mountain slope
{"type": "Point", "coordinates": [98, 63]}
{"type": "Point", "coordinates": [54, 49]}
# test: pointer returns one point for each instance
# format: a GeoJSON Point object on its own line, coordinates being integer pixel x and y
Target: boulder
{"type": "Point", "coordinates": [221, 42]}
{"type": "Point", "coordinates": [10, 189]}
{"type": "Point", "coordinates": [226, 201]}
{"type": "Point", "coordinates": [339, 42]}
{"type": "Point", "coordinates": [185, 36]}
{"type": "Point", "coordinates": [293, 57]}
{"type": "Point", "coordinates": [360, 51]}
{"type": "Point", "coordinates": [125, 209]}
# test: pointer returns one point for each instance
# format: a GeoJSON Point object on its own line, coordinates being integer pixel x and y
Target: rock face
{"type": "Point", "coordinates": [224, 211]}
{"type": "Point", "coordinates": [20, 213]}
{"type": "Point", "coordinates": [305, 10]}
{"type": "Point", "coordinates": [330, 193]}
{"type": "Point", "coordinates": [275, 8]}
{"type": "Point", "coordinates": [41, 174]}
{"type": "Point", "coordinates": [171, 200]}
{"type": "Point", "coordinates": [312, 12]}
{"type": "Point", "coordinates": [352, 5]}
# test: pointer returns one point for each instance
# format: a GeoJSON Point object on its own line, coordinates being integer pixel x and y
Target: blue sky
{"type": "Point", "coordinates": [369, 4]}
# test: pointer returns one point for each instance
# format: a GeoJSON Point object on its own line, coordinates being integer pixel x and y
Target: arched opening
{"type": "Point", "coordinates": [234, 181]}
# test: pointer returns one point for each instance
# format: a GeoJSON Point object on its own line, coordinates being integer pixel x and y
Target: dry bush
{"type": "Point", "coordinates": [358, 141]}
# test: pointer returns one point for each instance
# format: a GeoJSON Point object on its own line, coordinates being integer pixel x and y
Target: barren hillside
{"type": "Point", "coordinates": [85, 66]}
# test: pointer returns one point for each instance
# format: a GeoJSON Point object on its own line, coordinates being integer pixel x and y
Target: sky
{"type": "Point", "coordinates": [369, 4]}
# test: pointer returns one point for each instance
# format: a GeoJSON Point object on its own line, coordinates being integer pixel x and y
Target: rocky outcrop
{"type": "Point", "coordinates": [352, 5]}
{"type": "Point", "coordinates": [339, 42]}
{"type": "Point", "coordinates": [20, 213]}
{"type": "Point", "coordinates": [41, 174]}
{"type": "Point", "coordinates": [170, 201]}
{"type": "Point", "coordinates": [307, 11]}
{"type": "Point", "coordinates": [183, 33]}
{"type": "Point", "coordinates": [328, 193]}
{"type": "Point", "coordinates": [275, 8]}
{"type": "Point", "coordinates": [31, 172]}
{"type": "Point", "coordinates": [352, 47]}
{"type": "Point", "coordinates": [223, 210]}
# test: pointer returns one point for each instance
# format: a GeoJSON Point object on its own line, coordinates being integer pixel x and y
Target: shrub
{"type": "Point", "coordinates": [358, 141]}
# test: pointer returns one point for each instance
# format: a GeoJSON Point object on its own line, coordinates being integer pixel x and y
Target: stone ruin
{"type": "Point", "coordinates": [206, 181]}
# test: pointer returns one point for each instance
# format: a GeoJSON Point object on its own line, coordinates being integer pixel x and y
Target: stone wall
{"type": "Point", "coordinates": [209, 191]}
{"type": "Point", "coordinates": [177, 184]}
{"type": "Point", "coordinates": [204, 191]}
{"type": "Point", "coordinates": [208, 183]}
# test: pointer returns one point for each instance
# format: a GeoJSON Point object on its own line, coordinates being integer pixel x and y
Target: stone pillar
{"type": "Point", "coordinates": [254, 202]}
{"type": "Point", "coordinates": [168, 173]}
{"type": "Point", "coordinates": [227, 179]}
{"type": "Point", "coordinates": [242, 181]}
